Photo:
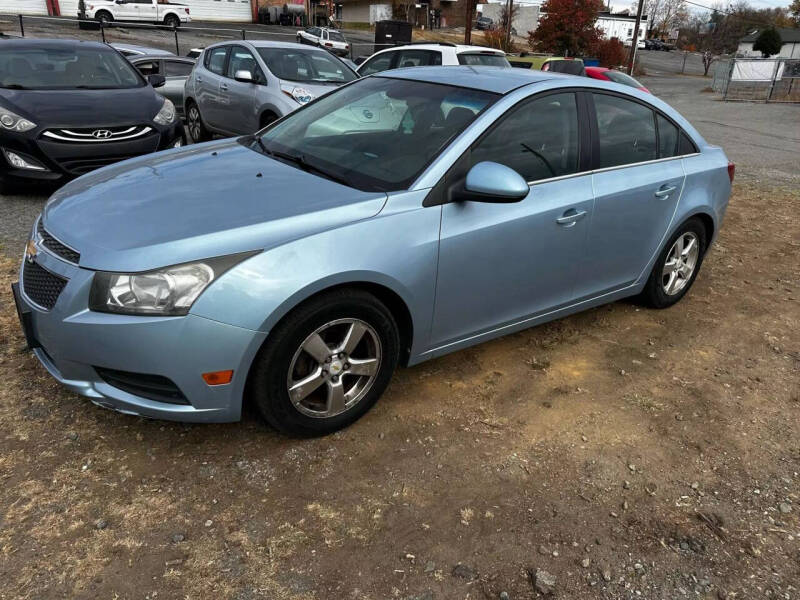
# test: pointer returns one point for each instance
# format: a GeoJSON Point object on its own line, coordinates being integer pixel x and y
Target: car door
{"type": "Point", "coordinates": [239, 96]}
{"type": "Point", "coordinates": [500, 264]}
{"type": "Point", "coordinates": [637, 186]}
{"type": "Point", "coordinates": [207, 82]}
{"type": "Point", "coordinates": [146, 10]}
{"type": "Point", "coordinates": [176, 72]}
{"type": "Point", "coordinates": [125, 10]}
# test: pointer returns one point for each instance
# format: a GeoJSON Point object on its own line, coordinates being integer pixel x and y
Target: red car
{"type": "Point", "coordinates": [605, 74]}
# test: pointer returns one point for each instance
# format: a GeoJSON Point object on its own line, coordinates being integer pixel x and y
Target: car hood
{"type": "Point", "coordinates": [84, 108]}
{"type": "Point", "coordinates": [196, 202]}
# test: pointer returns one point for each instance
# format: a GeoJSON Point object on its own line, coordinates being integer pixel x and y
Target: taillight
{"type": "Point", "coordinates": [731, 170]}
{"type": "Point", "coordinates": [329, 45]}
{"type": "Point", "coordinates": [187, 10]}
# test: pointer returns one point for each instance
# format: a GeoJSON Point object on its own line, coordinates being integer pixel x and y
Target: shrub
{"type": "Point", "coordinates": [610, 53]}
{"type": "Point", "coordinates": [496, 38]}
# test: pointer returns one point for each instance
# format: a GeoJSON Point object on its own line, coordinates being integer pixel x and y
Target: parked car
{"type": "Point", "coordinates": [331, 40]}
{"type": "Point", "coordinates": [69, 107]}
{"type": "Point", "coordinates": [605, 74]}
{"type": "Point", "coordinates": [431, 53]}
{"type": "Point", "coordinates": [170, 14]}
{"type": "Point", "coordinates": [313, 259]}
{"type": "Point", "coordinates": [652, 45]}
{"type": "Point", "coordinates": [176, 71]}
{"type": "Point", "coordinates": [240, 87]}
{"type": "Point", "coordinates": [132, 50]}
{"type": "Point", "coordinates": [639, 45]}
{"type": "Point", "coordinates": [484, 23]}
{"type": "Point", "coordinates": [527, 60]}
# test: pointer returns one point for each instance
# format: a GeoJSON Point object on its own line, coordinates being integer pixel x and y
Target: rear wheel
{"type": "Point", "coordinates": [325, 364]}
{"type": "Point", "coordinates": [197, 130]}
{"type": "Point", "coordinates": [677, 265]}
{"type": "Point", "coordinates": [104, 17]}
{"type": "Point", "coordinates": [172, 21]}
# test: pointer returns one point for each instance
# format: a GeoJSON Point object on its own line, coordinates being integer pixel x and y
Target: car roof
{"type": "Point", "coordinates": [138, 48]}
{"type": "Point", "coordinates": [264, 44]}
{"type": "Point", "coordinates": [499, 80]}
{"type": "Point", "coordinates": [143, 57]}
{"type": "Point", "coordinates": [459, 48]}
{"type": "Point", "coordinates": [65, 44]}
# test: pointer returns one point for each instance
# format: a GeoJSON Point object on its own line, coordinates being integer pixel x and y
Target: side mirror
{"type": "Point", "coordinates": [492, 182]}
{"type": "Point", "coordinates": [243, 76]}
{"type": "Point", "coordinates": [156, 80]}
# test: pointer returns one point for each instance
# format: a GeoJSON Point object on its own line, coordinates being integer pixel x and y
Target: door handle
{"type": "Point", "coordinates": [570, 217]}
{"type": "Point", "coordinates": [665, 191]}
{"type": "Point", "coordinates": [223, 87]}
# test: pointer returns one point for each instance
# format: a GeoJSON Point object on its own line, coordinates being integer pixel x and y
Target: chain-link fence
{"type": "Point", "coordinates": [179, 40]}
{"type": "Point", "coordinates": [758, 79]}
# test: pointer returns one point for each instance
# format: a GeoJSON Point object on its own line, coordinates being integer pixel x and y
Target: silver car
{"type": "Point", "coordinates": [237, 88]}
{"type": "Point", "coordinates": [175, 70]}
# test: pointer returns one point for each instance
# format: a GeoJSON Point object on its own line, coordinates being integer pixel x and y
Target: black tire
{"type": "Point", "coordinates": [104, 17]}
{"type": "Point", "coordinates": [267, 384]}
{"type": "Point", "coordinates": [172, 21]}
{"type": "Point", "coordinates": [654, 294]}
{"type": "Point", "coordinates": [194, 123]}
{"type": "Point", "coordinates": [267, 118]}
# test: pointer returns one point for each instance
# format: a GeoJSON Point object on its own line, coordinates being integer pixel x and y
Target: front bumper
{"type": "Point", "coordinates": [67, 160]}
{"type": "Point", "coordinates": [72, 341]}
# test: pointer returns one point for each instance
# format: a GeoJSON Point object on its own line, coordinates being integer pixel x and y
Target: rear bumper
{"type": "Point", "coordinates": [73, 341]}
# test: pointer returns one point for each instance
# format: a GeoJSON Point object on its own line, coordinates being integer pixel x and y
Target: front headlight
{"type": "Point", "coordinates": [13, 122]}
{"type": "Point", "coordinates": [167, 113]}
{"type": "Point", "coordinates": [170, 291]}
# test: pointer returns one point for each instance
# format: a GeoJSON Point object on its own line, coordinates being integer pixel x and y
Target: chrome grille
{"type": "Point", "coordinates": [97, 135]}
{"type": "Point", "coordinates": [56, 247]}
{"type": "Point", "coordinates": [40, 285]}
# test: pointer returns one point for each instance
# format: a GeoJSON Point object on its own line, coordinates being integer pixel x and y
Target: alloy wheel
{"type": "Point", "coordinates": [681, 263]}
{"type": "Point", "coordinates": [194, 123]}
{"type": "Point", "coordinates": [334, 368]}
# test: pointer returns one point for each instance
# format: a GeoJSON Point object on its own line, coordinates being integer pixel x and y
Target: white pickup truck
{"type": "Point", "coordinates": [149, 11]}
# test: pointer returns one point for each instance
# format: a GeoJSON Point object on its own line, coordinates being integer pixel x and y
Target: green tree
{"type": "Point", "coordinates": [768, 42]}
{"type": "Point", "coordinates": [794, 9]}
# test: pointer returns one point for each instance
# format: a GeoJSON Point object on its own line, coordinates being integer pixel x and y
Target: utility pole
{"type": "Point", "coordinates": [635, 41]}
{"type": "Point", "coordinates": [509, 12]}
{"type": "Point", "coordinates": [468, 24]}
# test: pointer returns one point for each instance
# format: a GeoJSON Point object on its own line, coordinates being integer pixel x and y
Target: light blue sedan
{"type": "Point", "coordinates": [402, 217]}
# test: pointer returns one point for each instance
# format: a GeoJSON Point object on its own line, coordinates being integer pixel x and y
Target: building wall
{"type": "Point", "coordinates": [622, 29]}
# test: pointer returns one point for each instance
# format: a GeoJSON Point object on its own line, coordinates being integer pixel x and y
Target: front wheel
{"type": "Point", "coordinates": [172, 21]}
{"type": "Point", "coordinates": [197, 130]}
{"type": "Point", "coordinates": [325, 364]}
{"type": "Point", "coordinates": [677, 265]}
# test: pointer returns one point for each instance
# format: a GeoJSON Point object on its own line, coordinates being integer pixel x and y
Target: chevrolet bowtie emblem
{"type": "Point", "coordinates": [31, 251]}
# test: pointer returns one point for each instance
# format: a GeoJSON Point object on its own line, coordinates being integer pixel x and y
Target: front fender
{"type": "Point", "coordinates": [396, 249]}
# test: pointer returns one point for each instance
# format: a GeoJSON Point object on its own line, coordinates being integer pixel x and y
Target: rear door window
{"type": "Point", "coordinates": [377, 64]}
{"type": "Point", "coordinates": [419, 58]}
{"type": "Point", "coordinates": [667, 138]}
{"type": "Point", "coordinates": [149, 67]}
{"type": "Point", "coordinates": [216, 60]}
{"type": "Point", "coordinates": [481, 59]}
{"type": "Point", "coordinates": [176, 68]}
{"type": "Point", "coordinates": [626, 131]}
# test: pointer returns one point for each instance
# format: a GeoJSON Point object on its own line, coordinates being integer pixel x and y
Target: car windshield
{"type": "Point", "coordinates": [483, 60]}
{"type": "Point", "coordinates": [309, 66]}
{"type": "Point", "coordinates": [622, 78]}
{"type": "Point", "coordinates": [66, 68]}
{"type": "Point", "coordinates": [336, 36]}
{"type": "Point", "coordinates": [377, 134]}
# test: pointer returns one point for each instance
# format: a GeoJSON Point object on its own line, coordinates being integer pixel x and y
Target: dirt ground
{"type": "Point", "coordinates": [629, 453]}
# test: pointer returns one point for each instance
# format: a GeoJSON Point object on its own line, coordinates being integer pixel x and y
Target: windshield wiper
{"type": "Point", "coordinates": [300, 161]}
{"type": "Point", "coordinates": [14, 86]}
{"type": "Point", "coordinates": [257, 139]}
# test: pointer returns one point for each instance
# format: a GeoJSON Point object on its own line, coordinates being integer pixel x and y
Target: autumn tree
{"type": "Point", "coordinates": [794, 9]}
{"type": "Point", "coordinates": [768, 42]}
{"type": "Point", "coordinates": [567, 27]}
